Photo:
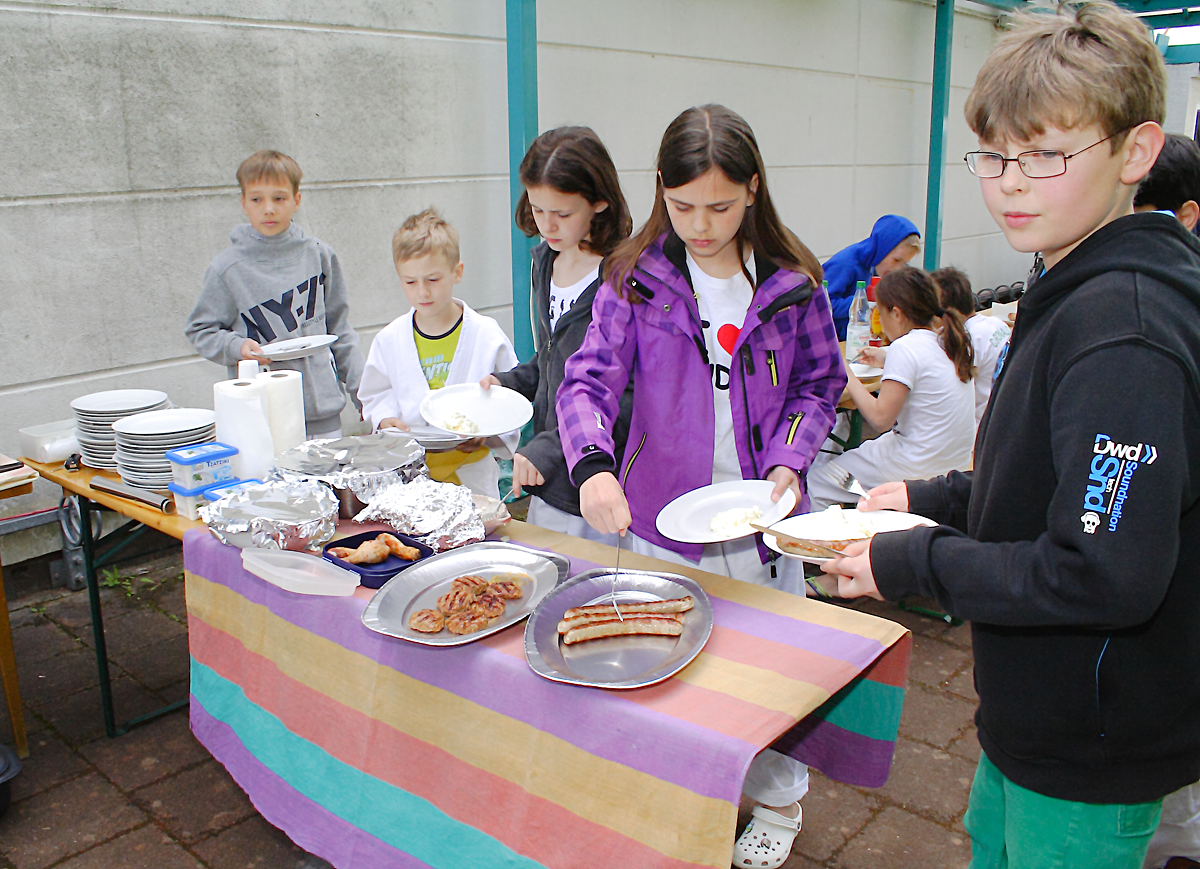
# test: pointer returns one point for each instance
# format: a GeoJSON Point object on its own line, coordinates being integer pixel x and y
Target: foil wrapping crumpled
{"type": "Point", "coordinates": [364, 464]}
{"type": "Point", "coordinates": [277, 514]}
{"type": "Point", "coordinates": [443, 515]}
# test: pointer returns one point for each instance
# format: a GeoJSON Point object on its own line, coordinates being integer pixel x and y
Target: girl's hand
{"type": "Point", "coordinates": [602, 503]}
{"type": "Point", "coordinates": [392, 422]}
{"type": "Point", "coordinates": [525, 474]}
{"type": "Point", "coordinates": [889, 496]}
{"type": "Point", "coordinates": [490, 381]}
{"type": "Point", "coordinates": [853, 571]}
{"type": "Point", "coordinates": [874, 356]}
{"type": "Point", "coordinates": [784, 479]}
{"type": "Point", "coordinates": [251, 349]}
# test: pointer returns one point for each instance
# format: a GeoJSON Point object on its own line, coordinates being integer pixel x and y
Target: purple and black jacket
{"type": "Point", "coordinates": [786, 380]}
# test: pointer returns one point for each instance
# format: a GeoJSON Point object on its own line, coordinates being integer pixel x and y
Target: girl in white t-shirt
{"type": "Point", "coordinates": [989, 335]}
{"type": "Point", "coordinates": [926, 402]}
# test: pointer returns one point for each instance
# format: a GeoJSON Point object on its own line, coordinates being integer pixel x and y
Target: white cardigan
{"type": "Point", "coordinates": [393, 383]}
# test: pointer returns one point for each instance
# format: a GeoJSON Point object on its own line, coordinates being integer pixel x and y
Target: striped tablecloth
{"type": "Point", "coordinates": [373, 752]}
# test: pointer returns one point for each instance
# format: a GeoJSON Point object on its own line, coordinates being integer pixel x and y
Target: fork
{"type": "Point", "coordinates": [846, 481]}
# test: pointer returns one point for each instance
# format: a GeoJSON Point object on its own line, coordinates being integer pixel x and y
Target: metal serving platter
{"type": "Point", "coordinates": [420, 586]}
{"type": "Point", "coordinates": [616, 662]}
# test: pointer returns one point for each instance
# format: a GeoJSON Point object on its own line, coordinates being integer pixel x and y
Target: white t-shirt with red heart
{"type": "Point", "coordinates": [723, 305]}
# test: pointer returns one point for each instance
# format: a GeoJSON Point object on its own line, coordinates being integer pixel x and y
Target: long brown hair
{"type": "Point", "coordinates": [914, 292]}
{"type": "Point", "coordinates": [574, 160]}
{"type": "Point", "coordinates": [699, 139]}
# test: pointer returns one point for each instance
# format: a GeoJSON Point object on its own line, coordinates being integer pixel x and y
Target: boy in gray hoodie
{"type": "Point", "coordinates": [275, 282]}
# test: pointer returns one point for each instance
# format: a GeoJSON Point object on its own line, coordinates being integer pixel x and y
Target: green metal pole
{"type": "Point", "coordinates": [943, 43]}
{"type": "Point", "coordinates": [521, 33]}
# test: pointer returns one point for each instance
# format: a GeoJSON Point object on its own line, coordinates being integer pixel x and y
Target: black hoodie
{"type": "Point", "coordinates": [539, 379]}
{"type": "Point", "coordinates": [1074, 547]}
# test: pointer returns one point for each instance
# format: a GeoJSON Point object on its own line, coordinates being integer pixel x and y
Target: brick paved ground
{"type": "Point", "coordinates": [154, 797]}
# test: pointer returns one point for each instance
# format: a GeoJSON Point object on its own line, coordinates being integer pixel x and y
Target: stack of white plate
{"type": "Point", "coordinates": [142, 440]}
{"type": "Point", "coordinates": [96, 413]}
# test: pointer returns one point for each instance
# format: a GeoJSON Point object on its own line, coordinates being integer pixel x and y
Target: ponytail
{"type": "Point", "coordinates": [914, 292]}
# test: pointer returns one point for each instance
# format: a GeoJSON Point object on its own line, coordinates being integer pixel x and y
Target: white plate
{"type": "Point", "coordinates": [878, 520]}
{"type": "Point", "coordinates": [116, 400]}
{"type": "Point", "coordinates": [688, 518]}
{"type": "Point", "coordinates": [865, 372]}
{"type": "Point", "coordinates": [294, 348]}
{"type": "Point", "coordinates": [430, 437]}
{"type": "Point", "coordinates": [175, 421]}
{"type": "Point", "coordinates": [495, 411]}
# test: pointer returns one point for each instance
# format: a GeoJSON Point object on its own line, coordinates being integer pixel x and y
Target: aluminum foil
{"type": "Point", "coordinates": [277, 514]}
{"type": "Point", "coordinates": [364, 464]}
{"type": "Point", "coordinates": [443, 515]}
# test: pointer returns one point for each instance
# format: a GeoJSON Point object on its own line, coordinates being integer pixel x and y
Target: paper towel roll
{"type": "Point", "coordinates": [244, 421]}
{"type": "Point", "coordinates": [247, 369]}
{"type": "Point", "coordinates": [285, 397]}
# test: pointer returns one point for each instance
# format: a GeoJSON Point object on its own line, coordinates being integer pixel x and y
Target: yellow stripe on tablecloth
{"type": "Point", "coordinates": [473, 733]}
{"type": "Point", "coordinates": [756, 596]}
{"type": "Point", "coordinates": [764, 688]}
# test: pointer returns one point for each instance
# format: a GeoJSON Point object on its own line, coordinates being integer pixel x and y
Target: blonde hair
{"type": "Point", "coordinates": [269, 164]}
{"type": "Point", "coordinates": [1091, 64]}
{"type": "Point", "coordinates": [422, 234]}
{"type": "Point", "coordinates": [912, 241]}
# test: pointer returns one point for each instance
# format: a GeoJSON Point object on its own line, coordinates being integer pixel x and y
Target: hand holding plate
{"type": "Point", "coordinates": [784, 478]}
{"type": "Point", "coordinates": [853, 571]}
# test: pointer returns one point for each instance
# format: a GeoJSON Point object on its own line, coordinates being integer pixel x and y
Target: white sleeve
{"type": "Point", "coordinates": [901, 364]}
{"type": "Point", "coordinates": [375, 389]}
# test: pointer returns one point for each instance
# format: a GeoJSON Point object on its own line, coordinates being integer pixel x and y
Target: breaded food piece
{"type": "Point", "coordinates": [397, 548]}
{"type": "Point", "coordinates": [368, 552]}
{"type": "Point", "coordinates": [427, 621]}
{"type": "Point", "coordinates": [506, 589]}
{"type": "Point", "coordinates": [475, 584]}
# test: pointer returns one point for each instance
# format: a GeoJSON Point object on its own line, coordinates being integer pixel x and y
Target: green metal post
{"type": "Point", "coordinates": [943, 43]}
{"type": "Point", "coordinates": [521, 34]}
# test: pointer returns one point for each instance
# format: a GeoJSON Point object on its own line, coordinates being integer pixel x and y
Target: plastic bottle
{"type": "Point", "coordinates": [858, 329]}
{"type": "Point", "coordinates": [876, 324]}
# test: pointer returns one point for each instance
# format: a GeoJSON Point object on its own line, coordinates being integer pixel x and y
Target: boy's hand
{"type": "Point", "coordinates": [525, 474]}
{"type": "Point", "coordinates": [469, 446]}
{"type": "Point", "coordinates": [603, 504]}
{"type": "Point", "coordinates": [252, 350]}
{"type": "Point", "coordinates": [853, 571]}
{"type": "Point", "coordinates": [490, 381]}
{"type": "Point", "coordinates": [889, 496]}
{"type": "Point", "coordinates": [392, 422]}
{"type": "Point", "coordinates": [784, 479]}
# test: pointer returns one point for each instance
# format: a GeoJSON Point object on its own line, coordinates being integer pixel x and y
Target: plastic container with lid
{"type": "Point", "coordinates": [187, 500]}
{"type": "Point", "coordinates": [202, 465]}
{"type": "Point", "coordinates": [51, 442]}
{"type": "Point", "coordinates": [220, 490]}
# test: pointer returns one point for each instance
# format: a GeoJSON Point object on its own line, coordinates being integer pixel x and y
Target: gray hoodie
{"type": "Point", "coordinates": [271, 288]}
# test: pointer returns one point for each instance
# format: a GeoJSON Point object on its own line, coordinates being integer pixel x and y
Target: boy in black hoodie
{"type": "Point", "coordinates": [1074, 546]}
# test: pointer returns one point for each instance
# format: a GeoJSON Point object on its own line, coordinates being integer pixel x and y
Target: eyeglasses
{"type": "Point", "coordinates": [1034, 164]}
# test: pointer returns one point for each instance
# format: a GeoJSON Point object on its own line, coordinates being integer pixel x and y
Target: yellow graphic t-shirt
{"type": "Point", "coordinates": [436, 352]}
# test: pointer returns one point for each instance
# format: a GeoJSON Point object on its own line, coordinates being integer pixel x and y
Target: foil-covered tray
{"type": "Point", "coordinates": [420, 586]}
{"type": "Point", "coordinates": [616, 662]}
{"type": "Point", "coordinates": [276, 514]}
{"type": "Point", "coordinates": [362, 464]}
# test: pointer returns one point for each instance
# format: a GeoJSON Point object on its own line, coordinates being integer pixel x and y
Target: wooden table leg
{"type": "Point", "coordinates": [8, 671]}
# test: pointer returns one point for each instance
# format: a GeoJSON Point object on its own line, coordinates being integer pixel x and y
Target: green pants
{"type": "Point", "coordinates": [1014, 828]}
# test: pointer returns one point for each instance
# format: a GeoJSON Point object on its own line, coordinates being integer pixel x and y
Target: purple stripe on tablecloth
{"type": "Point", "coordinates": [830, 642]}
{"type": "Point", "coordinates": [311, 826]}
{"type": "Point", "coordinates": [602, 723]}
{"type": "Point", "coordinates": [858, 759]}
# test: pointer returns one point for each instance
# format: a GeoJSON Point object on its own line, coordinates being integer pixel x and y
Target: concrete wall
{"type": "Point", "coordinates": [124, 123]}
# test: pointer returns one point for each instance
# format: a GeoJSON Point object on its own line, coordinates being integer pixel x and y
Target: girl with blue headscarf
{"type": "Point", "coordinates": [894, 240]}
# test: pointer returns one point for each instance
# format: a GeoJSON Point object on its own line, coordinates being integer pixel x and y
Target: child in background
{"type": "Point", "coordinates": [275, 282]}
{"type": "Point", "coordinates": [573, 199]}
{"type": "Point", "coordinates": [1174, 183]}
{"type": "Point", "coordinates": [1072, 548]}
{"type": "Point", "coordinates": [926, 403]}
{"type": "Point", "coordinates": [440, 342]}
{"type": "Point", "coordinates": [989, 335]}
{"type": "Point", "coordinates": [713, 309]}
{"type": "Point", "coordinates": [893, 242]}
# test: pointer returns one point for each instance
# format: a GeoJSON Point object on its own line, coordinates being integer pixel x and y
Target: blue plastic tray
{"type": "Point", "coordinates": [375, 575]}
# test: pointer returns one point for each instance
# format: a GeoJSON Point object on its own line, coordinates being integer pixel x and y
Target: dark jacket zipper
{"type": "Point", "coordinates": [771, 365]}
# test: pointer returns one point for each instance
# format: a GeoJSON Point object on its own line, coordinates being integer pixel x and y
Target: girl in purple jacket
{"type": "Point", "coordinates": [714, 310]}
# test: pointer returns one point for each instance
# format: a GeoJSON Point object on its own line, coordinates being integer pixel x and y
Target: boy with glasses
{"type": "Point", "coordinates": [1074, 545]}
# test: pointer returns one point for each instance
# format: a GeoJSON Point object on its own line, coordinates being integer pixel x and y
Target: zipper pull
{"type": "Point", "coordinates": [747, 359]}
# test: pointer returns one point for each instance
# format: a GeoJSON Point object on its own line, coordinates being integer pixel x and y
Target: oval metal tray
{"type": "Point", "coordinates": [616, 662]}
{"type": "Point", "coordinates": [421, 585]}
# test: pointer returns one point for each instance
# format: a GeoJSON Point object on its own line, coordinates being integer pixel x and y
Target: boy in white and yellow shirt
{"type": "Point", "coordinates": [440, 342]}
